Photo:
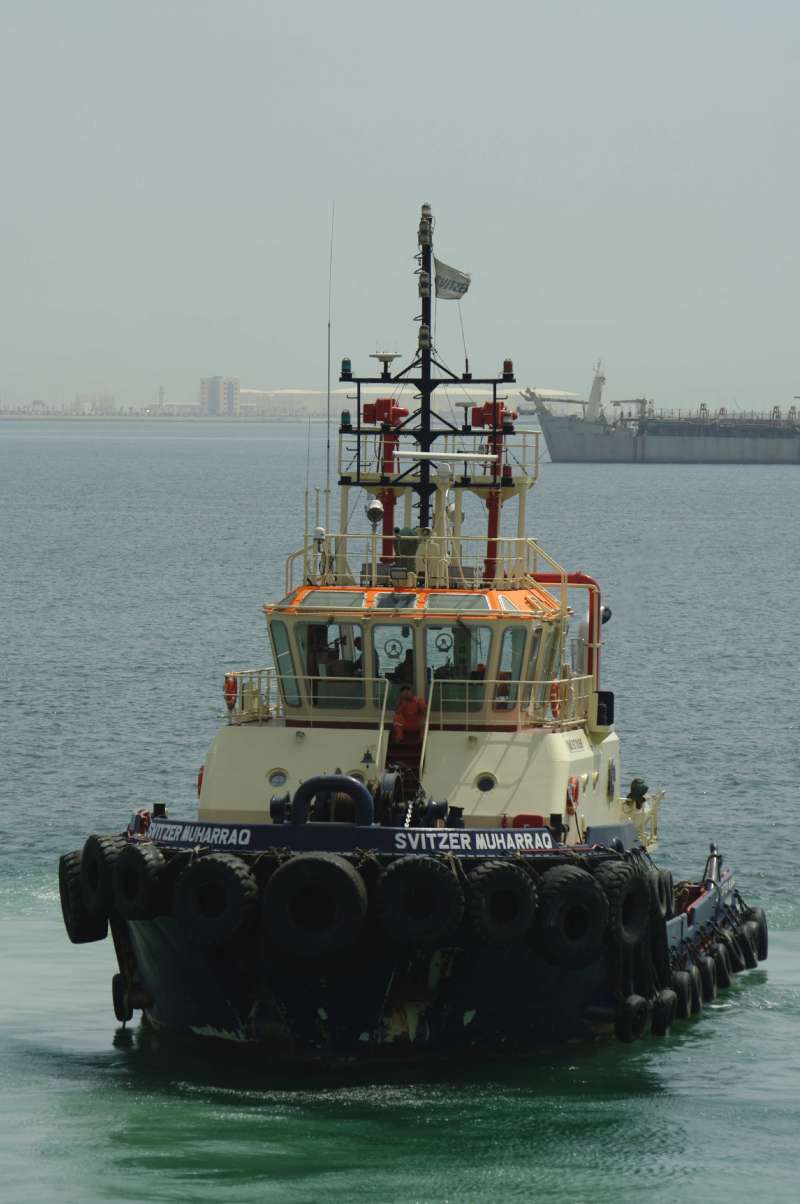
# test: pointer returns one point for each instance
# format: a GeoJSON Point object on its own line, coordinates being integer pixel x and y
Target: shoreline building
{"type": "Point", "coordinates": [219, 396]}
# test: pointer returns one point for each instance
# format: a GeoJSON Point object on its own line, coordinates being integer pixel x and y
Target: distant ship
{"type": "Point", "coordinates": [640, 435]}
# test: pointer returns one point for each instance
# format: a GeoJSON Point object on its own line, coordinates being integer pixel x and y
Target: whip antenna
{"type": "Point", "coordinates": [328, 408]}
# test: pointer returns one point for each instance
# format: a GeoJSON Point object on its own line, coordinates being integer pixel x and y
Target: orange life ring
{"type": "Point", "coordinates": [555, 699]}
{"type": "Point", "coordinates": [573, 794]}
{"type": "Point", "coordinates": [230, 690]}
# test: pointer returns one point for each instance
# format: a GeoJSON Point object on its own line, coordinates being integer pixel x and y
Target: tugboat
{"type": "Point", "coordinates": [410, 838]}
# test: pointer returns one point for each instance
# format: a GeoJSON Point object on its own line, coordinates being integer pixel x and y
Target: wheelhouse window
{"type": "Point", "coordinates": [457, 602]}
{"type": "Point", "coordinates": [393, 650]}
{"type": "Point", "coordinates": [335, 599]}
{"type": "Point", "coordinates": [284, 663]}
{"type": "Point", "coordinates": [331, 654]}
{"type": "Point", "coordinates": [456, 656]}
{"type": "Point", "coordinates": [509, 667]}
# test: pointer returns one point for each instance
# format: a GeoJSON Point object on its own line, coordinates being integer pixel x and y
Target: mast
{"type": "Point", "coordinates": [425, 439]}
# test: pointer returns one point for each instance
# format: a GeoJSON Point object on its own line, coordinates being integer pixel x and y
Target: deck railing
{"type": "Point", "coordinates": [362, 459]}
{"type": "Point", "coordinates": [431, 561]}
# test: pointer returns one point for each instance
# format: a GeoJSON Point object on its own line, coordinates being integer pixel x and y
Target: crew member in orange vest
{"type": "Point", "coordinates": [409, 716]}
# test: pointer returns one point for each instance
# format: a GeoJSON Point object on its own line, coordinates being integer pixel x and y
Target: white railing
{"type": "Point", "coordinates": [362, 460]}
{"type": "Point", "coordinates": [432, 562]}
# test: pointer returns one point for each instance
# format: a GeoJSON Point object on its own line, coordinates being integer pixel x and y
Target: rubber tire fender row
{"type": "Point", "coordinates": [81, 927]}
{"type": "Point", "coordinates": [632, 1019]}
{"type": "Point", "coordinates": [628, 895]}
{"type": "Point", "coordinates": [136, 881]}
{"type": "Point", "coordinates": [572, 918]}
{"type": "Point", "coordinates": [214, 898]}
{"type": "Point", "coordinates": [420, 901]}
{"type": "Point", "coordinates": [98, 858]}
{"type": "Point", "coordinates": [501, 902]}
{"type": "Point", "coordinates": [757, 916]}
{"type": "Point", "coordinates": [314, 905]}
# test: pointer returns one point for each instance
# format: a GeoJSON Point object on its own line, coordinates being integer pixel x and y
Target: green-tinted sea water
{"type": "Point", "coordinates": [133, 561]}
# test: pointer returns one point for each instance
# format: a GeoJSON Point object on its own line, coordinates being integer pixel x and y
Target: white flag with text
{"type": "Point", "coordinates": [450, 283]}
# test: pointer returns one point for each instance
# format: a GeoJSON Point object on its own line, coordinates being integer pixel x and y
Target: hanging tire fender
{"type": "Point", "coordinates": [214, 898]}
{"type": "Point", "coordinates": [682, 986]}
{"type": "Point", "coordinates": [757, 916]}
{"type": "Point", "coordinates": [572, 916]}
{"type": "Point", "coordinates": [136, 881]}
{"type": "Point", "coordinates": [708, 976]}
{"type": "Point", "coordinates": [722, 963]}
{"type": "Point", "coordinates": [696, 988]}
{"type": "Point", "coordinates": [314, 905]}
{"type": "Point", "coordinates": [663, 1012]}
{"type": "Point", "coordinates": [420, 901]}
{"type": "Point", "coordinates": [632, 1019]}
{"type": "Point", "coordinates": [501, 902]}
{"type": "Point", "coordinates": [81, 927]}
{"type": "Point", "coordinates": [628, 896]}
{"type": "Point", "coordinates": [97, 869]}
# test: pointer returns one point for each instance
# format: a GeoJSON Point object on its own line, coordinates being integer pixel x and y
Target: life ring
{"type": "Point", "coordinates": [97, 865]}
{"type": "Point", "coordinates": [572, 916]}
{"type": "Point", "coordinates": [420, 901]}
{"type": "Point", "coordinates": [214, 897]}
{"type": "Point", "coordinates": [136, 881]}
{"type": "Point", "coordinates": [314, 905]}
{"type": "Point", "coordinates": [555, 699]}
{"type": "Point", "coordinates": [632, 1019]}
{"type": "Point", "coordinates": [573, 794]}
{"type": "Point", "coordinates": [230, 690]}
{"type": "Point", "coordinates": [502, 902]}
{"type": "Point", "coordinates": [81, 927]}
{"type": "Point", "coordinates": [628, 896]}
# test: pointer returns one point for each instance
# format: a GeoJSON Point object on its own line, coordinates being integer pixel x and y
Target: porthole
{"type": "Point", "coordinates": [277, 777]}
{"type": "Point", "coordinates": [486, 782]}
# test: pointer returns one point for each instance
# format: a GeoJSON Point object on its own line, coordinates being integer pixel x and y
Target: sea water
{"type": "Point", "coordinates": [134, 558]}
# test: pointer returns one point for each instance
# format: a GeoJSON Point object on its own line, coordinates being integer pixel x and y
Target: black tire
{"type": "Point", "coordinates": [747, 937]}
{"type": "Point", "coordinates": [757, 916]}
{"type": "Point", "coordinates": [81, 927]}
{"type": "Point", "coordinates": [502, 902]}
{"type": "Point", "coordinates": [119, 995]}
{"type": "Point", "coordinates": [573, 913]}
{"type": "Point", "coordinates": [663, 1012]}
{"type": "Point", "coordinates": [136, 881]}
{"type": "Point", "coordinates": [722, 963]}
{"type": "Point", "coordinates": [420, 902]}
{"type": "Point", "coordinates": [314, 905]}
{"type": "Point", "coordinates": [660, 950]}
{"type": "Point", "coordinates": [628, 895]}
{"type": "Point", "coordinates": [708, 977]}
{"type": "Point", "coordinates": [682, 986]}
{"type": "Point", "coordinates": [735, 955]}
{"type": "Point", "coordinates": [97, 867]}
{"type": "Point", "coordinates": [696, 984]}
{"type": "Point", "coordinates": [632, 1019]}
{"type": "Point", "coordinates": [661, 889]}
{"type": "Point", "coordinates": [214, 897]}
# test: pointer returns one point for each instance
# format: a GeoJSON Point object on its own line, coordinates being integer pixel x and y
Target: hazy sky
{"type": "Point", "coordinates": [620, 178]}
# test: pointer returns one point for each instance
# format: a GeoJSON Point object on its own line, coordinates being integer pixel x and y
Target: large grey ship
{"type": "Point", "coordinates": [638, 434]}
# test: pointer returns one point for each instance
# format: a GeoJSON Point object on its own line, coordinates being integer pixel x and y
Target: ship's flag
{"type": "Point", "coordinates": [451, 284]}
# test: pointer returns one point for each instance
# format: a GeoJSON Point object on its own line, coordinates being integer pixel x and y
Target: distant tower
{"type": "Point", "coordinates": [219, 395]}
